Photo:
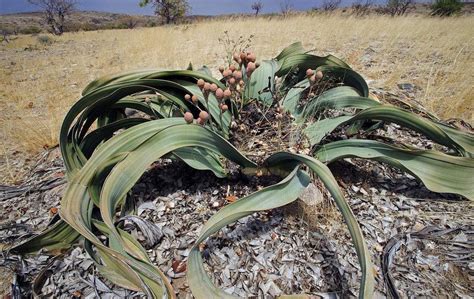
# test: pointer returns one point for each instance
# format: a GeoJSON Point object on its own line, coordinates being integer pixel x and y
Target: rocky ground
{"type": "Point", "coordinates": [421, 242]}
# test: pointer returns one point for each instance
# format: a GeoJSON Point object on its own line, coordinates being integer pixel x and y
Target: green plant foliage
{"type": "Point", "coordinates": [186, 115]}
{"type": "Point", "coordinates": [445, 8]}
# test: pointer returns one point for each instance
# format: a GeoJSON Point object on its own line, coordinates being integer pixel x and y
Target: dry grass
{"type": "Point", "coordinates": [39, 85]}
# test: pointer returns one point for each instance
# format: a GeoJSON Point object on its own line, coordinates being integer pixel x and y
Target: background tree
{"type": "Point", "coordinates": [330, 5]}
{"type": "Point", "coordinates": [257, 6]}
{"type": "Point", "coordinates": [362, 7]}
{"type": "Point", "coordinates": [170, 11]}
{"type": "Point", "coordinates": [55, 13]}
{"type": "Point", "coordinates": [398, 7]}
{"type": "Point", "coordinates": [128, 22]}
{"type": "Point", "coordinates": [286, 7]}
{"type": "Point", "coordinates": [446, 7]}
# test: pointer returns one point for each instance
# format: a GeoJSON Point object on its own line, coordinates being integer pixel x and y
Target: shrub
{"type": "Point", "coordinates": [127, 22]}
{"type": "Point", "coordinates": [30, 30]}
{"type": "Point", "coordinates": [398, 7]}
{"type": "Point", "coordinates": [44, 40]}
{"type": "Point", "coordinates": [361, 7]}
{"type": "Point", "coordinates": [446, 7]}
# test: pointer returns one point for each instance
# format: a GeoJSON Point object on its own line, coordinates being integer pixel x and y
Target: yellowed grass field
{"type": "Point", "coordinates": [38, 86]}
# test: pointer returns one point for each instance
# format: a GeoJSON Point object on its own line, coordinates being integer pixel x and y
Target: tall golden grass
{"type": "Point", "coordinates": [39, 85]}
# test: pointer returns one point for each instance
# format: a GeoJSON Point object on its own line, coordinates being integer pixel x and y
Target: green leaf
{"type": "Point", "coordinates": [321, 171]}
{"type": "Point", "coordinates": [433, 131]}
{"type": "Point", "coordinates": [201, 159]}
{"type": "Point", "coordinates": [292, 98]}
{"type": "Point", "coordinates": [302, 62]}
{"type": "Point", "coordinates": [138, 145]}
{"type": "Point", "coordinates": [439, 172]}
{"type": "Point", "coordinates": [338, 98]}
{"type": "Point", "coordinates": [347, 76]}
{"type": "Point", "coordinates": [59, 236]}
{"type": "Point", "coordinates": [262, 83]}
{"type": "Point", "coordinates": [295, 48]}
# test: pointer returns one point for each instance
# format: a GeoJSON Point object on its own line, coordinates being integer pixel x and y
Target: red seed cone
{"type": "Point", "coordinates": [236, 56]}
{"type": "Point", "coordinates": [232, 68]}
{"type": "Point", "coordinates": [195, 99]}
{"type": "Point", "coordinates": [187, 97]}
{"type": "Point", "coordinates": [251, 57]}
{"type": "Point", "coordinates": [319, 75]}
{"type": "Point", "coordinates": [221, 69]}
{"type": "Point", "coordinates": [237, 75]}
{"type": "Point", "coordinates": [227, 93]}
{"type": "Point", "coordinates": [204, 115]}
{"type": "Point", "coordinates": [188, 117]}
{"type": "Point", "coordinates": [226, 73]}
{"type": "Point", "coordinates": [251, 67]}
{"type": "Point", "coordinates": [224, 108]}
{"type": "Point", "coordinates": [207, 86]}
{"type": "Point", "coordinates": [201, 83]}
{"type": "Point", "coordinates": [309, 73]}
{"type": "Point", "coordinates": [213, 87]}
{"type": "Point", "coordinates": [219, 94]}
{"type": "Point", "coordinates": [232, 81]}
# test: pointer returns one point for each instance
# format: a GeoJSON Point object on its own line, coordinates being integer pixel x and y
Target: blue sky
{"type": "Point", "coordinates": [199, 7]}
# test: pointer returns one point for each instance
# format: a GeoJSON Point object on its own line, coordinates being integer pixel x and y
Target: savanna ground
{"type": "Point", "coordinates": [40, 81]}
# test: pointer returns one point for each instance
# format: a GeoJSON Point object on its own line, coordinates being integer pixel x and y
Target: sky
{"type": "Point", "coordinates": [198, 7]}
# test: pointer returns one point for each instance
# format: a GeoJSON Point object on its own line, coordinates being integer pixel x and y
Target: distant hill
{"type": "Point", "coordinates": [33, 22]}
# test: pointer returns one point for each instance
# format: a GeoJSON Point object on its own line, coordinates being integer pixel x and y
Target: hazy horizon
{"type": "Point", "coordinates": [198, 7]}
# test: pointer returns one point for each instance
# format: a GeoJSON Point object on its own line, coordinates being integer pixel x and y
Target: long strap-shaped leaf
{"type": "Point", "coordinates": [338, 98]}
{"type": "Point", "coordinates": [76, 202]}
{"type": "Point", "coordinates": [58, 236]}
{"type": "Point", "coordinates": [199, 281]}
{"type": "Point", "coordinates": [99, 100]}
{"type": "Point", "coordinates": [307, 61]}
{"type": "Point", "coordinates": [293, 49]}
{"type": "Point", "coordinates": [150, 74]}
{"type": "Point", "coordinates": [438, 172]}
{"type": "Point", "coordinates": [321, 170]}
{"type": "Point", "coordinates": [271, 197]}
{"type": "Point", "coordinates": [432, 130]}
{"type": "Point", "coordinates": [262, 83]}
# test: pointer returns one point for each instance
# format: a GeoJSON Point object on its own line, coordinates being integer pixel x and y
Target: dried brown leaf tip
{"type": "Point", "coordinates": [231, 198]}
{"type": "Point", "coordinates": [53, 211]}
{"type": "Point", "coordinates": [178, 266]}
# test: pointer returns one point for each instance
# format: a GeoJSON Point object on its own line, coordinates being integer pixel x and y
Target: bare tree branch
{"type": "Point", "coordinates": [286, 6]}
{"type": "Point", "coordinates": [330, 5]}
{"type": "Point", "coordinates": [55, 12]}
{"type": "Point", "coordinates": [257, 6]}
